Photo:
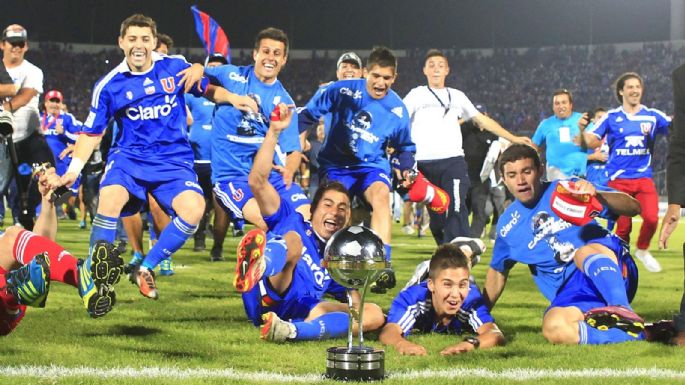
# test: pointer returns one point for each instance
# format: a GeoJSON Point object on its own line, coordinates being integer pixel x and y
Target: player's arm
{"type": "Point", "coordinates": [593, 133]}
{"type": "Point", "coordinates": [22, 98]}
{"type": "Point", "coordinates": [220, 95]}
{"type": "Point", "coordinates": [391, 335]}
{"type": "Point", "coordinates": [487, 123]}
{"type": "Point", "coordinates": [494, 286]}
{"type": "Point", "coordinates": [616, 202]}
{"type": "Point", "coordinates": [265, 194]}
{"type": "Point", "coordinates": [84, 147]}
{"type": "Point", "coordinates": [488, 336]}
{"type": "Point", "coordinates": [46, 223]}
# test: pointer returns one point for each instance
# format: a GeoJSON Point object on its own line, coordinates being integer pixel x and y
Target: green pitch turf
{"type": "Point", "coordinates": [199, 324]}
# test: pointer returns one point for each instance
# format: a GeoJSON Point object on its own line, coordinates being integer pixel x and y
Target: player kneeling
{"type": "Point", "coordinates": [447, 302]}
{"type": "Point", "coordinates": [280, 272]}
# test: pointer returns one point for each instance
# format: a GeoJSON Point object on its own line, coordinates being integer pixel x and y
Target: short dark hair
{"type": "Point", "coordinates": [273, 34]}
{"type": "Point", "coordinates": [163, 38]}
{"type": "Point", "coordinates": [138, 20]}
{"type": "Point", "coordinates": [326, 186]}
{"type": "Point", "coordinates": [433, 52]}
{"type": "Point", "coordinates": [621, 81]}
{"type": "Point", "coordinates": [517, 152]}
{"type": "Point", "coordinates": [563, 91]}
{"type": "Point", "coordinates": [382, 57]}
{"type": "Point", "coordinates": [447, 256]}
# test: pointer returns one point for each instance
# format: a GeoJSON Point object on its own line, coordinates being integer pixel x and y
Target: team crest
{"type": "Point", "coordinates": [646, 127]}
{"type": "Point", "coordinates": [238, 194]}
{"type": "Point", "coordinates": [168, 84]}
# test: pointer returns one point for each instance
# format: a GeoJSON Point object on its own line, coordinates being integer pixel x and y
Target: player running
{"type": "Point", "coordinates": [280, 273]}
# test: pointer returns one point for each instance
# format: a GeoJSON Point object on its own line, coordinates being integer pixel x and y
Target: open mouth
{"type": "Point", "coordinates": [524, 190]}
{"type": "Point", "coordinates": [269, 66]}
{"type": "Point", "coordinates": [138, 55]}
{"type": "Point", "coordinates": [330, 225]}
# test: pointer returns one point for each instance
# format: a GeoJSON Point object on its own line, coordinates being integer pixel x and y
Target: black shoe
{"type": "Point", "coordinates": [386, 280]}
{"type": "Point", "coordinates": [199, 244]}
{"type": "Point", "coordinates": [660, 331]}
{"type": "Point", "coordinates": [216, 255]}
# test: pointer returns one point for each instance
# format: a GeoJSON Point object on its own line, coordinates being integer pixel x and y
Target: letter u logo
{"type": "Point", "coordinates": [168, 84]}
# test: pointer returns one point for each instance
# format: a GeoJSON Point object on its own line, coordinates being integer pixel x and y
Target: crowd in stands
{"type": "Point", "coordinates": [515, 84]}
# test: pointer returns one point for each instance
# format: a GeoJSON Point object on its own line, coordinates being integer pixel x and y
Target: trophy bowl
{"type": "Point", "coordinates": [354, 257]}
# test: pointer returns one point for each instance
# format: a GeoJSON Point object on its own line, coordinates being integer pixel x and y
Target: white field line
{"type": "Point", "coordinates": [519, 374]}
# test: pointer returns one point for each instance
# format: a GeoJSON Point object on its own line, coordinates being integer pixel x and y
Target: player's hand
{"type": "Point", "coordinates": [244, 103]}
{"type": "Point", "coordinates": [66, 152]}
{"type": "Point", "coordinates": [191, 76]}
{"type": "Point", "coordinates": [59, 128]}
{"type": "Point", "coordinates": [47, 180]}
{"type": "Point", "coordinates": [67, 179]}
{"type": "Point", "coordinates": [668, 224]}
{"type": "Point", "coordinates": [523, 140]}
{"type": "Point", "coordinates": [407, 348]}
{"type": "Point", "coordinates": [583, 122]}
{"type": "Point", "coordinates": [286, 174]}
{"type": "Point", "coordinates": [280, 118]}
{"type": "Point", "coordinates": [582, 186]}
{"type": "Point", "coordinates": [459, 348]}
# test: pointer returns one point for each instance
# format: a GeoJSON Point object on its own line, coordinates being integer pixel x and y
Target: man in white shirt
{"type": "Point", "coordinates": [28, 141]}
{"type": "Point", "coordinates": [435, 111]}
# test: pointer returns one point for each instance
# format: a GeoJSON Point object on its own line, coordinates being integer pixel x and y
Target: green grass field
{"type": "Point", "coordinates": [197, 333]}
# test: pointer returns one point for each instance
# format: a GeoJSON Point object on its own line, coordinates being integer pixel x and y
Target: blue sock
{"type": "Point", "coordinates": [104, 228]}
{"type": "Point", "coordinates": [605, 275]}
{"type": "Point", "coordinates": [274, 256]}
{"type": "Point", "coordinates": [591, 336]}
{"type": "Point", "coordinates": [329, 325]}
{"type": "Point", "coordinates": [170, 240]}
{"type": "Point", "coordinates": [387, 252]}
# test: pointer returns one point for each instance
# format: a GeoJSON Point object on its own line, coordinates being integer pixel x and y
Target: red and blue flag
{"type": "Point", "coordinates": [211, 34]}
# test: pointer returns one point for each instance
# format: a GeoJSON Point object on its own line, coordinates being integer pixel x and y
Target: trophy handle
{"type": "Point", "coordinates": [357, 315]}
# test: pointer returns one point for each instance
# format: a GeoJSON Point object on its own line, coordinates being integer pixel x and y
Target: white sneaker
{"type": "Point", "coordinates": [420, 274]}
{"type": "Point", "coordinates": [647, 259]}
{"type": "Point", "coordinates": [408, 229]}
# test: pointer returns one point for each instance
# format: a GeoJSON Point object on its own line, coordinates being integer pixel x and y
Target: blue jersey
{"type": "Point", "coordinates": [412, 309]}
{"type": "Point", "coordinates": [236, 136]}
{"type": "Point", "coordinates": [559, 137]}
{"type": "Point", "coordinates": [149, 109]}
{"type": "Point", "coordinates": [201, 129]}
{"type": "Point", "coordinates": [314, 277]}
{"type": "Point", "coordinates": [537, 237]}
{"type": "Point", "coordinates": [58, 142]}
{"type": "Point", "coordinates": [361, 127]}
{"type": "Point", "coordinates": [631, 140]}
{"type": "Point", "coordinates": [596, 170]}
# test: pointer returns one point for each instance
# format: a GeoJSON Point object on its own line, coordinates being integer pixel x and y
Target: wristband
{"type": "Point", "coordinates": [473, 341]}
{"type": "Point", "coordinates": [76, 166]}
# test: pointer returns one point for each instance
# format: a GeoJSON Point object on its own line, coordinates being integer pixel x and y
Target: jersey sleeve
{"type": "Point", "coordinates": [501, 258]}
{"type": "Point", "coordinates": [410, 102]}
{"type": "Point", "coordinates": [600, 127]}
{"type": "Point", "coordinates": [539, 135]}
{"type": "Point", "coordinates": [474, 306]}
{"type": "Point", "coordinates": [468, 110]}
{"type": "Point", "coordinates": [662, 123]}
{"type": "Point", "coordinates": [221, 75]}
{"type": "Point", "coordinates": [100, 111]}
{"type": "Point", "coordinates": [401, 140]}
{"type": "Point", "coordinates": [72, 128]}
{"type": "Point", "coordinates": [403, 311]}
{"type": "Point", "coordinates": [319, 105]}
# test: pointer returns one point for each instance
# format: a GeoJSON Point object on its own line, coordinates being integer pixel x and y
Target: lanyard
{"type": "Point", "coordinates": [449, 100]}
{"type": "Point", "coordinates": [45, 124]}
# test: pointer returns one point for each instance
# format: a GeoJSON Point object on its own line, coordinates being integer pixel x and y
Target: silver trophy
{"type": "Point", "coordinates": [61, 194]}
{"type": "Point", "coordinates": [355, 256]}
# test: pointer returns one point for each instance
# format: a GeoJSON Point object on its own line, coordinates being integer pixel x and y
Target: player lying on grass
{"type": "Point", "coordinates": [280, 274]}
{"type": "Point", "coordinates": [30, 260]}
{"type": "Point", "coordinates": [447, 302]}
{"type": "Point", "coordinates": [586, 272]}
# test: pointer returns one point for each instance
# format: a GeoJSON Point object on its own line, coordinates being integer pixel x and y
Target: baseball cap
{"type": "Point", "coordinates": [54, 94]}
{"type": "Point", "coordinates": [349, 57]}
{"type": "Point", "coordinates": [14, 33]}
{"type": "Point", "coordinates": [216, 57]}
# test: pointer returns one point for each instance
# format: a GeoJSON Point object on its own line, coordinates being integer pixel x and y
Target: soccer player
{"type": "Point", "coordinates": [435, 111]}
{"type": "Point", "coordinates": [585, 272]}
{"type": "Point", "coordinates": [60, 130]}
{"type": "Point", "coordinates": [367, 117]}
{"type": "Point", "coordinates": [30, 260]}
{"type": "Point", "coordinates": [237, 135]}
{"type": "Point", "coordinates": [151, 153]}
{"type": "Point", "coordinates": [280, 274]}
{"type": "Point", "coordinates": [448, 302]}
{"type": "Point", "coordinates": [565, 150]}
{"type": "Point", "coordinates": [630, 132]}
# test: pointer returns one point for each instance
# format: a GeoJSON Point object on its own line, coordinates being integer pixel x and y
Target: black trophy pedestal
{"type": "Point", "coordinates": [357, 364]}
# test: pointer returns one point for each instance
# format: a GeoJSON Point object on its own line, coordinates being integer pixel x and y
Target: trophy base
{"type": "Point", "coordinates": [360, 363]}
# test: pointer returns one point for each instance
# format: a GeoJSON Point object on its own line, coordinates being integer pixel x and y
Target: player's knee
{"type": "Point", "coordinates": [373, 317]}
{"type": "Point", "coordinates": [191, 208]}
{"type": "Point", "coordinates": [557, 330]}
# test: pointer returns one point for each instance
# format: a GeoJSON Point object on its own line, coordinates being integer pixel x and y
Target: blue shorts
{"type": "Point", "coordinates": [597, 176]}
{"type": "Point", "coordinates": [164, 186]}
{"type": "Point", "coordinates": [233, 195]}
{"type": "Point", "coordinates": [294, 305]}
{"type": "Point", "coordinates": [579, 291]}
{"type": "Point", "coordinates": [357, 180]}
